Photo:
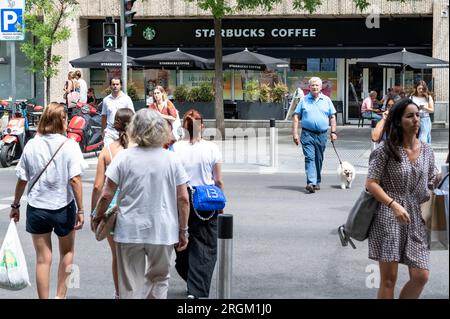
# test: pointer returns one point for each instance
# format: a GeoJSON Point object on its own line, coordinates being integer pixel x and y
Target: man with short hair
{"type": "Point", "coordinates": [316, 112]}
{"type": "Point", "coordinates": [111, 103]}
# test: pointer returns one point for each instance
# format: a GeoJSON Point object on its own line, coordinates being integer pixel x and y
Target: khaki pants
{"type": "Point", "coordinates": [138, 280]}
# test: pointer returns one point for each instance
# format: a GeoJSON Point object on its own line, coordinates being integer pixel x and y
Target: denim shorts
{"type": "Point", "coordinates": [42, 221]}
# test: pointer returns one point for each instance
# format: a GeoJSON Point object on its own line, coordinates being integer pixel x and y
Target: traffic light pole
{"type": "Point", "coordinates": [124, 47]}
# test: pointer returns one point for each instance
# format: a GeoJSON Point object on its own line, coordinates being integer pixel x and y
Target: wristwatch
{"type": "Point", "coordinates": [333, 133]}
{"type": "Point", "coordinates": [15, 206]}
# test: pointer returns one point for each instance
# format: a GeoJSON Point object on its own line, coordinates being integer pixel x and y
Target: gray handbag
{"type": "Point", "coordinates": [359, 219]}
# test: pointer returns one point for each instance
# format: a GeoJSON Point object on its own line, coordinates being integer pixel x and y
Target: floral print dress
{"type": "Point", "coordinates": [408, 183]}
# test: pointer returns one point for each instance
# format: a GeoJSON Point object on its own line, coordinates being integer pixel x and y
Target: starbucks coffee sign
{"type": "Point", "coordinates": [283, 33]}
{"type": "Point", "coordinates": [149, 33]}
{"type": "Point", "coordinates": [258, 33]}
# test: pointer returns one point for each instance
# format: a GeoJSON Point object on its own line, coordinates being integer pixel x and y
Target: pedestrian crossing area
{"type": "Point", "coordinates": [5, 202]}
{"type": "Point", "coordinates": [91, 161]}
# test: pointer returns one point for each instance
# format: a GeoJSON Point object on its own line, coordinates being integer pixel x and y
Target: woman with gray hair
{"type": "Point", "coordinates": [153, 208]}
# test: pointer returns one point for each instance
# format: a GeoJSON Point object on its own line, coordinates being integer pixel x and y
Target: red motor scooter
{"type": "Point", "coordinates": [85, 128]}
{"type": "Point", "coordinates": [18, 131]}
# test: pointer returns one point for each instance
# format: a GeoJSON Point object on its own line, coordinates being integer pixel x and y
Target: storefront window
{"type": "Point", "coordinates": [24, 87]}
{"type": "Point", "coordinates": [299, 79]}
{"type": "Point", "coordinates": [412, 76]}
{"type": "Point", "coordinates": [143, 81]}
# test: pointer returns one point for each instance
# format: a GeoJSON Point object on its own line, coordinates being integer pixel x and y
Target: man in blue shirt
{"type": "Point", "coordinates": [316, 112]}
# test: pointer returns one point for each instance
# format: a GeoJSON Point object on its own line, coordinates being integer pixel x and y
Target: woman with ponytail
{"type": "Point", "coordinates": [202, 161]}
{"type": "Point", "coordinates": [121, 121]}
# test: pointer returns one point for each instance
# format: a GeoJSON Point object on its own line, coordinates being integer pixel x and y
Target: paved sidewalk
{"type": "Point", "coordinates": [252, 154]}
{"type": "Point", "coordinates": [354, 145]}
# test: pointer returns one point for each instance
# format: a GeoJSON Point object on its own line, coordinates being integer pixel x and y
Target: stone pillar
{"type": "Point", "coordinates": [440, 51]}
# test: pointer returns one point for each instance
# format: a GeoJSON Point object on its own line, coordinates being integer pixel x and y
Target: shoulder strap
{"type": "Point", "coordinates": [108, 146]}
{"type": "Point", "coordinates": [42, 172]}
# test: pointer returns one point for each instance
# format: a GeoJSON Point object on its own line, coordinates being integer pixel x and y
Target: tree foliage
{"type": "Point", "coordinates": [44, 20]}
{"type": "Point", "coordinates": [221, 8]}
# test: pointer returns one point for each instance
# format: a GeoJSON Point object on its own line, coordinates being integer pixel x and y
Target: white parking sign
{"type": "Point", "coordinates": [12, 24]}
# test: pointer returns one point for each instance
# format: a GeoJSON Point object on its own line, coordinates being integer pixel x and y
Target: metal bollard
{"type": "Point", "coordinates": [224, 255]}
{"type": "Point", "coordinates": [273, 144]}
{"type": "Point", "coordinates": [373, 124]}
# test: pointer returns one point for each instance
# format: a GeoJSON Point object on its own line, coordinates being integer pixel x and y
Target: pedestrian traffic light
{"type": "Point", "coordinates": [109, 35]}
{"type": "Point", "coordinates": [128, 18]}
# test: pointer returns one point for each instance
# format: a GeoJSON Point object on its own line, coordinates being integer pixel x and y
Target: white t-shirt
{"type": "Point", "coordinates": [148, 180]}
{"type": "Point", "coordinates": [53, 189]}
{"type": "Point", "coordinates": [110, 107]}
{"type": "Point", "coordinates": [421, 100]}
{"type": "Point", "coordinates": [198, 160]}
{"type": "Point", "coordinates": [83, 90]}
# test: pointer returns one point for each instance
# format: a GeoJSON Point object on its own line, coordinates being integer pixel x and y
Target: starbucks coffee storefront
{"type": "Point", "coordinates": [327, 48]}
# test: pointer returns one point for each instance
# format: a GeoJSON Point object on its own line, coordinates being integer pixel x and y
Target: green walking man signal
{"type": "Point", "coordinates": [109, 35]}
{"type": "Point", "coordinates": [110, 42]}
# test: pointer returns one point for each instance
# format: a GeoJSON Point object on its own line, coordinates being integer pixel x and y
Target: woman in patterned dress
{"type": "Point", "coordinates": [401, 173]}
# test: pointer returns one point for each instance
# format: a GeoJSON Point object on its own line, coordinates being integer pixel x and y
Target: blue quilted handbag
{"type": "Point", "coordinates": [207, 198]}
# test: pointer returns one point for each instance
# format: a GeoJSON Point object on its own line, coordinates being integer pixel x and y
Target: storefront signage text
{"type": "Point", "coordinates": [257, 33]}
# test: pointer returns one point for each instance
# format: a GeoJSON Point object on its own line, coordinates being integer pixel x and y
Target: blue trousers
{"type": "Point", "coordinates": [371, 116]}
{"type": "Point", "coordinates": [425, 129]}
{"type": "Point", "coordinates": [313, 146]}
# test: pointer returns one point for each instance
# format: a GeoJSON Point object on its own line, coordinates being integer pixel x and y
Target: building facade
{"type": "Point", "coordinates": [325, 43]}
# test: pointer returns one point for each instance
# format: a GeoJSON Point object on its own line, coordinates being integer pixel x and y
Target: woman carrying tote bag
{"type": "Point", "coordinates": [401, 173]}
{"type": "Point", "coordinates": [51, 165]}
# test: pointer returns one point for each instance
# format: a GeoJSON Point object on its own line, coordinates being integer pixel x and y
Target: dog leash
{"type": "Point", "coordinates": [340, 162]}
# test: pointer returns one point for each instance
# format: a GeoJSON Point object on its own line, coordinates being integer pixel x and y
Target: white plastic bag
{"type": "Point", "coordinates": [13, 268]}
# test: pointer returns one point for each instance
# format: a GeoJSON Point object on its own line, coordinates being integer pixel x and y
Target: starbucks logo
{"type": "Point", "coordinates": [149, 33]}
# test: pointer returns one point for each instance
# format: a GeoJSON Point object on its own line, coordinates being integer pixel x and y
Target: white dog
{"type": "Point", "coordinates": [346, 175]}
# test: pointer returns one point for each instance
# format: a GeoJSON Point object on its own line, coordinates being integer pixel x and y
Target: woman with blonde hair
{"type": "Point", "coordinates": [71, 88]}
{"type": "Point", "coordinates": [202, 161]}
{"type": "Point", "coordinates": [167, 110]}
{"type": "Point", "coordinates": [51, 165]}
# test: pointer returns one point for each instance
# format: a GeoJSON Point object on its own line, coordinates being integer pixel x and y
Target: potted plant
{"type": "Point", "coordinates": [279, 92]}
{"type": "Point", "coordinates": [264, 105]}
{"type": "Point", "coordinates": [265, 93]}
{"type": "Point", "coordinates": [181, 93]}
{"type": "Point", "coordinates": [252, 90]}
{"type": "Point", "coordinates": [200, 98]}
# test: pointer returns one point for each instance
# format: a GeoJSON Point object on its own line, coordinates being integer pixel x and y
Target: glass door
{"type": "Point", "coordinates": [354, 91]}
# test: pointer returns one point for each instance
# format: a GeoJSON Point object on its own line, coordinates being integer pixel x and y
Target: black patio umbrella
{"type": "Point", "coordinates": [403, 59]}
{"type": "Point", "coordinates": [103, 59]}
{"type": "Point", "coordinates": [174, 60]}
{"type": "Point", "coordinates": [246, 60]}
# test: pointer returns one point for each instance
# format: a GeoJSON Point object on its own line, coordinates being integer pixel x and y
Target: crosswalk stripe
{"type": "Point", "coordinates": [11, 198]}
